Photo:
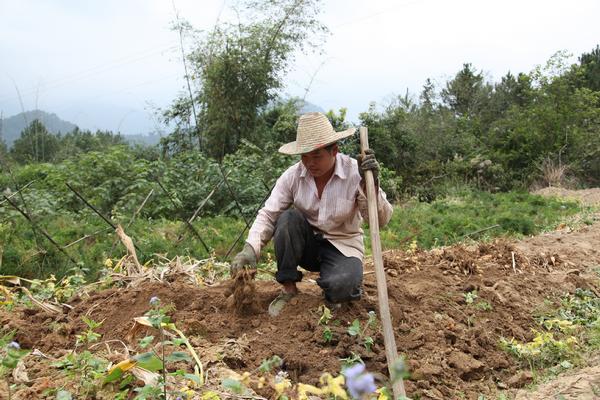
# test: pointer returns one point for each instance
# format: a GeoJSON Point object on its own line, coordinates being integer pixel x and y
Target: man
{"type": "Point", "coordinates": [322, 232]}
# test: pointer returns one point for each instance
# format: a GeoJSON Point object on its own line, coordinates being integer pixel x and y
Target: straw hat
{"type": "Point", "coordinates": [314, 131]}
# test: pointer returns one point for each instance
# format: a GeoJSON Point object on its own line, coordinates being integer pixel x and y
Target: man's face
{"type": "Point", "coordinates": [319, 162]}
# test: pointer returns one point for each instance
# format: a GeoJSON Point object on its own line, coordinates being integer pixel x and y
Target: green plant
{"type": "Point", "coordinates": [268, 364]}
{"type": "Point", "coordinates": [88, 336]}
{"type": "Point", "coordinates": [327, 334]}
{"type": "Point", "coordinates": [157, 360]}
{"type": "Point", "coordinates": [324, 319]}
{"type": "Point", "coordinates": [9, 359]}
{"type": "Point", "coordinates": [352, 359]}
{"type": "Point", "coordinates": [361, 334]}
{"type": "Point", "coordinates": [470, 297]}
{"type": "Point", "coordinates": [84, 367]}
{"type": "Point", "coordinates": [157, 317]}
{"type": "Point", "coordinates": [483, 305]}
{"type": "Point", "coordinates": [472, 300]}
{"type": "Point", "coordinates": [543, 351]}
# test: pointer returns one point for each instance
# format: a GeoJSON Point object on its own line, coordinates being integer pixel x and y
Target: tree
{"type": "Point", "coordinates": [561, 124]}
{"type": "Point", "coordinates": [510, 91]}
{"type": "Point", "coordinates": [239, 68]}
{"type": "Point", "coordinates": [389, 135]}
{"type": "Point", "coordinates": [277, 122]}
{"type": "Point", "coordinates": [428, 97]}
{"type": "Point", "coordinates": [466, 93]}
{"type": "Point", "coordinates": [83, 141]}
{"type": "Point", "coordinates": [591, 64]}
{"type": "Point", "coordinates": [35, 144]}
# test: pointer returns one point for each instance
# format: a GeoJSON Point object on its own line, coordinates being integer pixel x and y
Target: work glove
{"type": "Point", "coordinates": [243, 258]}
{"type": "Point", "coordinates": [368, 162]}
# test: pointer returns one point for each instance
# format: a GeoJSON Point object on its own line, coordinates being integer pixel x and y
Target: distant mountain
{"type": "Point", "coordinates": [151, 139]}
{"type": "Point", "coordinates": [306, 106]}
{"type": "Point", "coordinates": [11, 128]}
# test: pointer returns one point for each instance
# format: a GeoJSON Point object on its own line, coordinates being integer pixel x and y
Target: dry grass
{"type": "Point", "coordinates": [554, 173]}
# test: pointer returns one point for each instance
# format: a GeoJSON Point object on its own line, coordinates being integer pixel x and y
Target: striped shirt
{"type": "Point", "coordinates": [338, 214]}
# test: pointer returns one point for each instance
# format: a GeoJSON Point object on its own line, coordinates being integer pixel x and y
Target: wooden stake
{"type": "Point", "coordinates": [201, 206]}
{"type": "Point", "coordinates": [41, 230]}
{"type": "Point", "coordinates": [389, 341]}
{"type": "Point", "coordinates": [18, 191]}
{"type": "Point", "coordinates": [189, 225]}
{"type": "Point", "coordinates": [87, 203]}
{"type": "Point", "coordinates": [235, 199]}
{"type": "Point", "coordinates": [512, 253]}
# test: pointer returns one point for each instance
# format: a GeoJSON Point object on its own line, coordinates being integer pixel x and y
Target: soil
{"type": "Point", "coordinates": [451, 346]}
{"type": "Point", "coordinates": [585, 196]}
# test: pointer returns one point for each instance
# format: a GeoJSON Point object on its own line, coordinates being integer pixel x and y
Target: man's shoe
{"type": "Point", "coordinates": [278, 303]}
{"type": "Point", "coordinates": [332, 306]}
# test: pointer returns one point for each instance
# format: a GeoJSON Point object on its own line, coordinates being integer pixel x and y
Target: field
{"type": "Point", "coordinates": [494, 319]}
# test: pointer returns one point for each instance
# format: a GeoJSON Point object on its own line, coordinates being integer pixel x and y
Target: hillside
{"type": "Point", "coordinates": [12, 127]}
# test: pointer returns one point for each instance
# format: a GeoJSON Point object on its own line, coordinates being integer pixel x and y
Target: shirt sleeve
{"type": "Point", "coordinates": [281, 199]}
{"type": "Point", "coordinates": [384, 208]}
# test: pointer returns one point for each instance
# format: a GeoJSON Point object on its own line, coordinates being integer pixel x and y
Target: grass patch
{"type": "Point", "coordinates": [474, 215]}
{"type": "Point", "coordinates": [443, 222]}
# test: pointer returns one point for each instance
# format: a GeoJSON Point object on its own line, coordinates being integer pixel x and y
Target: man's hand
{"type": "Point", "coordinates": [368, 162]}
{"type": "Point", "coordinates": [243, 258]}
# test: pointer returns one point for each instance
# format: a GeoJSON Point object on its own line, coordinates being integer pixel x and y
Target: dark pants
{"type": "Point", "coordinates": [297, 245]}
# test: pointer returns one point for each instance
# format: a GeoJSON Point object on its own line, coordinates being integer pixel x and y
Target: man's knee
{"type": "Point", "coordinates": [343, 293]}
{"type": "Point", "coordinates": [342, 288]}
{"type": "Point", "coordinates": [290, 216]}
{"type": "Point", "coordinates": [289, 219]}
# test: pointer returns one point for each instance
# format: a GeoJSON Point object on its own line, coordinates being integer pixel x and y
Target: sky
{"type": "Point", "coordinates": [110, 64]}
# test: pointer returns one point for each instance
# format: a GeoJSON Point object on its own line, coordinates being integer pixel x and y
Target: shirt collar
{"type": "Point", "coordinates": [339, 168]}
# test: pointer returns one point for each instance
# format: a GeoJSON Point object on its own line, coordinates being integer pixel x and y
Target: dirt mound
{"type": "Point", "coordinates": [450, 307]}
{"type": "Point", "coordinates": [588, 197]}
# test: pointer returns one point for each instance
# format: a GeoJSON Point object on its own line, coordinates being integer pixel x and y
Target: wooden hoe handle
{"type": "Point", "coordinates": [391, 353]}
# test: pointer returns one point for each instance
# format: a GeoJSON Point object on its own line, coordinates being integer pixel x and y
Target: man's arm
{"type": "Point", "coordinates": [384, 208]}
{"type": "Point", "coordinates": [280, 200]}
{"type": "Point", "coordinates": [264, 224]}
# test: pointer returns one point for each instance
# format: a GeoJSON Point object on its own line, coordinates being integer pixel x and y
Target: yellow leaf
{"type": "Point", "coordinates": [245, 378]}
{"type": "Point", "coordinates": [143, 321]}
{"type": "Point", "coordinates": [334, 386]}
{"type": "Point", "coordinates": [15, 280]}
{"type": "Point", "coordinates": [210, 395]}
{"type": "Point", "coordinates": [7, 293]}
{"type": "Point", "coordinates": [382, 395]}
{"type": "Point", "coordinates": [124, 365]}
{"type": "Point", "coordinates": [304, 389]}
{"type": "Point", "coordinates": [281, 386]}
{"type": "Point", "coordinates": [189, 393]}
